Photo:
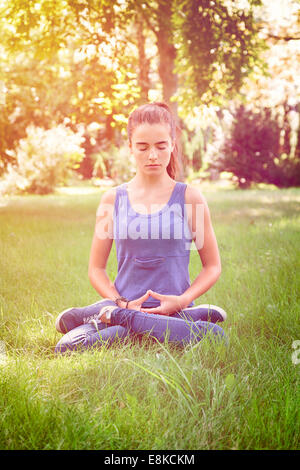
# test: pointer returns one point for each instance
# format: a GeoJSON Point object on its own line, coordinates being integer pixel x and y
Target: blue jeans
{"type": "Point", "coordinates": [187, 326]}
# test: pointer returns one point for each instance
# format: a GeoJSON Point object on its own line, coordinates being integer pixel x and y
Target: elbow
{"type": "Point", "coordinates": [214, 272]}
{"type": "Point", "coordinates": [91, 273]}
{"type": "Point", "coordinates": [90, 276]}
{"type": "Point", "coordinates": [90, 270]}
{"type": "Point", "coordinates": [217, 271]}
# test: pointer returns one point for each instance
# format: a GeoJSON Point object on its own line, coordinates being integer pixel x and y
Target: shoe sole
{"type": "Point", "coordinates": [57, 321]}
{"type": "Point", "coordinates": [211, 307]}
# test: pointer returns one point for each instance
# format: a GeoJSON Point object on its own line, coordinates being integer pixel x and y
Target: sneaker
{"type": "Point", "coordinates": [76, 316]}
{"type": "Point", "coordinates": [105, 313]}
{"type": "Point", "coordinates": [215, 308]}
{"type": "Point", "coordinates": [214, 313]}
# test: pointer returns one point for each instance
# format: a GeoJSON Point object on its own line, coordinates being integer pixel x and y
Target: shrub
{"type": "Point", "coordinates": [44, 159]}
{"type": "Point", "coordinates": [116, 163]}
{"type": "Point", "coordinates": [252, 152]}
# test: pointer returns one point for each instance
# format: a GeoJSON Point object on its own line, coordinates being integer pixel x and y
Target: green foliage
{"type": "Point", "coordinates": [194, 143]}
{"type": "Point", "coordinates": [115, 163]}
{"type": "Point", "coordinates": [252, 152]}
{"type": "Point", "coordinates": [86, 61]}
{"type": "Point", "coordinates": [64, 60]}
{"type": "Point", "coordinates": [217, 48]}
{"type": "Point", "coordinates": [35, 94]}
{"type": "Point", "coordinates": [43, 159]}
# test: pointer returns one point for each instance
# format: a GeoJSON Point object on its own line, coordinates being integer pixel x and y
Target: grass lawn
{"type": "Point", "coordinates": [145, 395]}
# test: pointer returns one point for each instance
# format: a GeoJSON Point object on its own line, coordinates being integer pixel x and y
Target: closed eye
{"type": "Point", "coordinates": [159, 147]}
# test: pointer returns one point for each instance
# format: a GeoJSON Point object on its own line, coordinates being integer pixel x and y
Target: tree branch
{"type": "Point", "coordinates": [283, 38]}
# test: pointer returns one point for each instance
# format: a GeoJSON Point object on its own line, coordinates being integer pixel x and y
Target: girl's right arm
{"type": "Point", "coordinates": [101, 247]}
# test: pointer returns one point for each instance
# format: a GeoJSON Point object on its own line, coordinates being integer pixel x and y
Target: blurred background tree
{"type": "Point", "coordinates": [86, 64]}
{"type": "Point", "coordinates": [263, 143]}
{"type": "Point", "coordinates": [253, 152]}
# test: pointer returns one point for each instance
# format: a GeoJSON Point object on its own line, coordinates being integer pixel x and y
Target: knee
{"type": "Point", "coordinates": [77, 338]}
{"type": "Point", "coordinates": [210, 330]}
{"type": "Point", "coordinates": [214, 329]}
{"type": "Point", "coordinates": [63, 346]}
{"type": "Point", "coordinates": [87, 336]}
{"type": "Point", "coordinates": [69, 343]}
{"type": "Point", "coordinates": [217, 334]}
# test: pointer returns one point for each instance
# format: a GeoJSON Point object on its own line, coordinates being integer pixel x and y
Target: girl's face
{"type": "Point", "coordinates": [151, 145]}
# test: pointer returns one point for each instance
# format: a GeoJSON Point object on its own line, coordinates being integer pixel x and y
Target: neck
{"type": "Point", "coordinates": [150, 182]}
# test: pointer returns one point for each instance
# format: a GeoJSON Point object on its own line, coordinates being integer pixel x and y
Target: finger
{"type": "Point", "coordinates": [151, 310]}
{"type": "Point", "coordinates": [143, 297]}
{"type": "Point", "coordinates": [156, 295]}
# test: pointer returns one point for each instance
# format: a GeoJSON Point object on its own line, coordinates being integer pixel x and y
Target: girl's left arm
{"type": "Point", "coordinates": [206, 244]}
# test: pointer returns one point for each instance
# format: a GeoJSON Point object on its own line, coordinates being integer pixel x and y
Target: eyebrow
{"type": "Point", "coordinates": [146, 143]}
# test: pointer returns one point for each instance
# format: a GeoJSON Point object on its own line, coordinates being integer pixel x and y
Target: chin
{"type": "Point", "coordinates": [156, 167]}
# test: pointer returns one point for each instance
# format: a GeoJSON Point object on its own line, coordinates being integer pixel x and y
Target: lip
{"type": "Point", "coordinates": [153, 166]}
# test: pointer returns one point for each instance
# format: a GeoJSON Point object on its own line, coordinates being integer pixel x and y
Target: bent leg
{"type": "Point", "coordinates": [76, 316]}
{"type": "Point", "coordinates": [175, 330]}
{"type": "Point", "coordinates": [88, 335]}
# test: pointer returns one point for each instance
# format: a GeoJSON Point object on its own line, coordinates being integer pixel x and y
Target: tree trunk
{"type": "Point", "coordinates": [167, 53]}
{"type": "Point", "coordinates": [144, 62]}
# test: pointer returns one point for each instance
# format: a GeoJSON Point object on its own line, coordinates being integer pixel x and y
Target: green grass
{"type": "Point", "coordinates": [145, 395]}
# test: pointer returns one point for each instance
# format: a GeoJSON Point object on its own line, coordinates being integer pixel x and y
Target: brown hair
{"type": "Point", "coordinates": [155, 113]}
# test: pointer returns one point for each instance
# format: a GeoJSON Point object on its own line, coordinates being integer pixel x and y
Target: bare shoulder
{"type": "Point", "coordinates": [193, 195]}
{"type": "Point", "coordinates": [106, 204]}
{"type": "Point", "coordinates": [109, 196]}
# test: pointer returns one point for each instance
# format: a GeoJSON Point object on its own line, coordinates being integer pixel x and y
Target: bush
{"type": "Point", "coordinates": [115, 163]}
{"type": "Point", "coordinates": [44, 159]}
{"type": "Point", "coordinates": [252, 153]}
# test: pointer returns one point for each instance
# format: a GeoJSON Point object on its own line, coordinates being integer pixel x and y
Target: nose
{"type": "Point", "coordinates": [153, 153]}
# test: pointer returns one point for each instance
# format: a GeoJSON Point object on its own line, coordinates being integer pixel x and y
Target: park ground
{"type": "Point", "coordinates": [140, 394]}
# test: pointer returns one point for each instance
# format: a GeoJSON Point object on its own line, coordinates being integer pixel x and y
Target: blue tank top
{"type": "Point", "coordinates": [153, 250]}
